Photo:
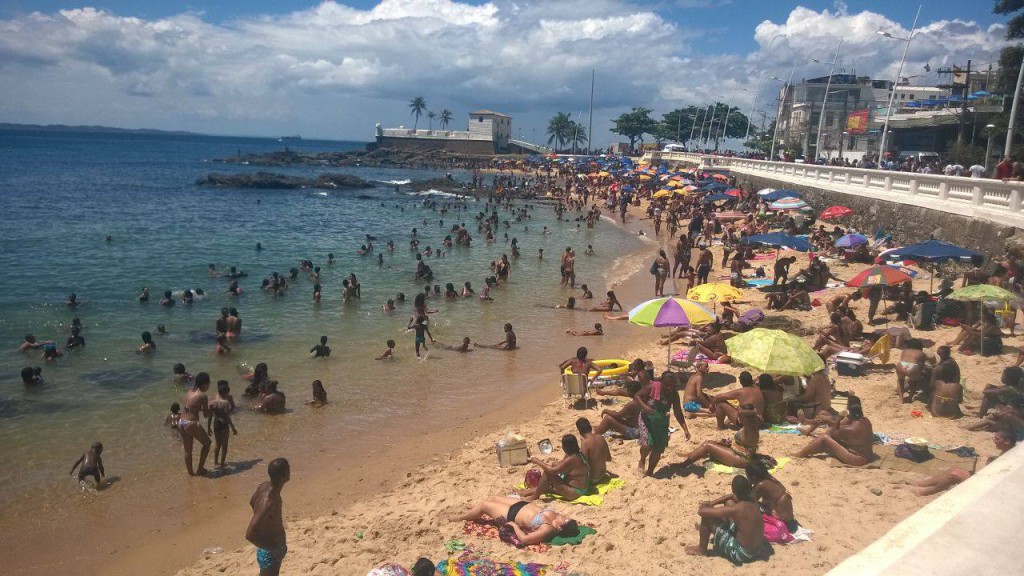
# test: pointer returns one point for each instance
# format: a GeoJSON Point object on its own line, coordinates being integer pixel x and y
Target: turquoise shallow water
{"type": "Point", "coordinates": [60, 196]}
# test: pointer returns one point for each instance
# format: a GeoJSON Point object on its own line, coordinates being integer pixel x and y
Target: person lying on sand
{"type": "Point", "coordinates": [1003, 439]}
{"type": "Point", "coordinates": [597, 331]}
{"type": "Point", "coordinates": [530, 523]}
{"type": "Point", "coordinates": [713, 345]}
{"type": "Point", "coordinates": [569, 478]}
{"type": "Point", "coordinates": [848, 440]}
{"type": "Point", "coordinates": [735, 523]}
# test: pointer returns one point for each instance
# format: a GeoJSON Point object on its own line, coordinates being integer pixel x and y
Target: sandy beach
{"type": "Point", "coordinates": [643, 526]}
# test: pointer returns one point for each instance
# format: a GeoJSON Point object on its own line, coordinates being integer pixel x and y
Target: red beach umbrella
{"type": "Point", "coordinates": [734, 192]}
{"type": "Point", "coordinates": [835, 212]}
{"type": "Point", "coordinates": [879, 276]}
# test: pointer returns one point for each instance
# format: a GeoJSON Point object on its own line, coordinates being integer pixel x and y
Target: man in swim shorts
{"type": "Point", "coordinates": [266, 529]}
{"type": "Point", "coordinates": [734, 521]}
{"type": "Point", "coordinates": [694, 398]}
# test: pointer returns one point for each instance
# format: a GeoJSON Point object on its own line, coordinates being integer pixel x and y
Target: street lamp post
{"type": "Point", "coordinates": [778, 117]}
{"type": "Point", "coordinates": [991, 128]}
{"type": "Point", "coordinates": [725, 126]}
{"type": "Point", "coordinates": [1013, 112]}
{"type": "Point", "coordinates": [892, 97]}
{"type": "Point", "coordinates": [824, 101]}
{"type": "Point", "coordinates": [757, 89]}
{"type": "Point", "coordinates": [693, 125]}
{"type": "Point", "coordinates": [701, 134]}
{"type": "Point", "coordinates": [714, 111]}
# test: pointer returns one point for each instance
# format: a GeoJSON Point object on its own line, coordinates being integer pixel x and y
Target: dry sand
{"type": "Point", "coordinates": [643, 527]}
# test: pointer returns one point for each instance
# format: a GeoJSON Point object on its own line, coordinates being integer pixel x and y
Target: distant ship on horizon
{"type": "Point", "coordinates": [289, 138]}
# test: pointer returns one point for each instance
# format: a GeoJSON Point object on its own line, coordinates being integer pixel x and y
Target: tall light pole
{"type": "Point", "coordinates": [694, 125]}
{"type": "Point", "coordinates": [991, 129]}
{"type": "Point", "coordinates": [753, 102]}
{"type": "Point", "coordinates": [1013, 112]}
{"type": "Point", "coordinates": [702, 124]}
{"type": "Point", "coordinates": [824, 101]}
{"type": "Point", "coordinates": [725, 125]}
{"type": "Point", "coordinates": [892, 97]}
{"type": "Point", "coordinates": [714, 111]}
{"type": "Point", "coordinates": [782, 100]}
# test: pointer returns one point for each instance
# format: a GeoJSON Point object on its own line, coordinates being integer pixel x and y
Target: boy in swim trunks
{"type": "Point", "coordinates": [321, 350]}
{"type": "Point", "coordinates": [388, 352]}
{"type": "Point", "coordinates": [421, 334]}
{"type": "Point", "coordinates": [737, 528]}
{"type": "Point", "coordinates": [92, 464]}
{"type": "Point", "coordinates": [695, 400]}
{"type": "Point", "coordinates": [266, 529]}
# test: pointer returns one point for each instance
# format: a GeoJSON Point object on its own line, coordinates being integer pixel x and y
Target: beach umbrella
{"type": "Point", "coordinates": [730, 215]}
{"type": "Point", "coordinates": [835, 212]}
{"type": "Point", "coordinates": [774, 352]}
{"type": "Point", "coordinates": [714, 293]}
{"type": "Point", "coordinates": [779, 240]}
{"type": "Point", "coordinates": [851, 240]}
{"type": "Point", "coordinates": [764, 191]}
{"type": "Point", "coordinates": [879, 276]}
{"type": "Point", "coordinates": [661, 194]}
{"type": "Point", "coordinates": [788, 203]}
{"type": "Point", "coordinates": [720, 177]}
{"type": "Point", "coordinates": [778, 195]}
{"type": "Point", "coordinates": [644, 177]}
{"type": "Point", "coordinates": [982, 293]}
{"type": "Point", "coordinates": [717, 197]}
{"type": "Point", "coordinates": [734, 192]}
{"type": "Point", "coordinates": [931, 251]}
{"type": "Point", "coordinates": [689, 188]}
{"type": "Point", "coordinates": [670, 312]}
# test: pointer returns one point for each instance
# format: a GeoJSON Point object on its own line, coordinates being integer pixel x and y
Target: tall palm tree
{"type": "Point", "coordinates": [560, 130]}
{"type": "Point", "coordinates": [431, 115]}
{"type": "Point", "coordinates": [417, 105]}
{"type": "Point", "coordinates": [446, 117]}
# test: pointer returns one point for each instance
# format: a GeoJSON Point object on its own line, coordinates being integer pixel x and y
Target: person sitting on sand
{"type": "Point", "coordinates": [1003, 439]}
{"type": "Point", "coordinates": [509, 343]}
{"type": "Point", "coordinates": [623, 421]}
{"type": "Point", "coordinates": [581, 364]}
{"type": "Point", "coordinates": [530, 523]}
{"type": "Point", "coordinates": [92, 464]}
{"type": "Point", "coordinates": [735, 523]}
{"type": "Point", "coordinates": [1008, 395]}
{"type": "Point", "coordinates": [848, 439]}
{"type": "Point", "coordinates": [985, 336]}
{"type": "Point", "coordinates": [695, 400]}
{"type": "Point", "coordinates": [569, 478]}
{"type": "Point", "coordinates": [655, 400]}
{"type": "Point", "coordinates": [739, 451]}
{"type": "Point", "coordinates": [815, 402]}
{"type": "Point", "coordinates": [273, 402]}
{"type": "Point", "coordinates": [594, 449]}
{"type": "Point", "coordinates": [946, 395]}
{"type": "Point", "coordinates": [773, 497]}
{"type": "Point", "coordinates": [727, 415]}
{"type": "Point", "coordinates": [712, 346]}
{"type": "Point", "coordinates": [775, 406]}
{"type": "Point", "coordinates": [597, 331]}
{"type": "Point", "coordinates": [943, 357]}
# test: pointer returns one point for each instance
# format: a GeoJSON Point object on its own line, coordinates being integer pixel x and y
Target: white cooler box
{"type": "Point", "coordinates": [850, 364]}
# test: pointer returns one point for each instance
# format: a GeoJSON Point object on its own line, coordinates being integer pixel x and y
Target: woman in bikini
{"type": "Point", "coordinates": [848, 440]}
{"type": "Point", "coordinates": [569, 478]}
{"type": "Point", "coordinates": [609, 304]}
{"type": "Point", "coordinates": [1003, 439]}
{"type": "Point", "coordinates": [740, 450]}
{"type": "Point", "coordinates": [774, 498]}
{"type": "Point", "coordinates": [194, 406]}
{"type": "Point", "coordinates": [581, 365]}
{"type": "Point", "coordinates": [532, 523]}
{"type": "Point", "coordinates": [947, 394]}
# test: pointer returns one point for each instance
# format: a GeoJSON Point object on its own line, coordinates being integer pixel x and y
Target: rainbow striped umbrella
{"type": "Point", "coordinates": [788, 203]}
{"type": "Point", "coordinates": [671, 311]}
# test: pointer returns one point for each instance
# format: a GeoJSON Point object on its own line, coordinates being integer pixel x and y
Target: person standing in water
{"type": "Point", "coordinates": [266, 529]}
{"type": "Point", "coordinates": [195, 405]}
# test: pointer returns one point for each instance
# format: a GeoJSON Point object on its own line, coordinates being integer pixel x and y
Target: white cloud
{"type": "Point", "coordinates": [288, 72]}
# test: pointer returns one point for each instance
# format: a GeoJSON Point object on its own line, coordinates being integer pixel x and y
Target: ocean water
{"type": "Point", "coordinates": [62, 194]}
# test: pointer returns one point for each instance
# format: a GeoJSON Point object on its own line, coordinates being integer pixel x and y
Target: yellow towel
{"type": "Point", "coordinates": [713, 466]}
{"type": "Point", "coordinates": [590, 499]}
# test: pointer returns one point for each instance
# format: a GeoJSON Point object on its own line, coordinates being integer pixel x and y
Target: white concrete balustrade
{"type": "Point", "coordinates": [982, 198]}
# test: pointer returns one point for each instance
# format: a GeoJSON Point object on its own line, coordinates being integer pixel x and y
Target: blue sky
{"type": "Point", "coordinates": [334, 69]}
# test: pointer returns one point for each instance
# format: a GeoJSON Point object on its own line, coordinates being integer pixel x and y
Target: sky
{"type": "Point", "coordinates": [334, 69]}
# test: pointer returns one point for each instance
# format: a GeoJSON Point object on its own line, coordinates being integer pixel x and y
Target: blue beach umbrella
{"type": "Point", "coordinates": [851, 240]}
{"type": "Point", "coordinates": [932, 251]}
{"type": "Point", "coordinates": [718, 196]}
{"type": "Point", "coordinates": [778, 195]}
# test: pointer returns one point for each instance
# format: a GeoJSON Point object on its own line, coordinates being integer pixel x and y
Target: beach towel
{"type": "Point", "coordinates": [783, 429]}
{"type": "Point", "coordinates": [713, 466]}
{"type": "Point", "coordinates": [886, 459]}
{"type": "Point", "coordinates": [486, 529]}
{"type": "Point", "coordinates": [471, 564]}
{"type": "Point", "coordinates": [682, 355]}
{"type": "Point", "coordinates": [389, 570]}
{"type": "Point", "coordinates": [583, 532]}
{"type": "Point", "coordinates": [757, 283]}
{"type": "Point", "coordinates": [602, 487]}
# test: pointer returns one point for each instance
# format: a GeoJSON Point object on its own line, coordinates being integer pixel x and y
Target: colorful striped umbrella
{"type": "Point", "coordinates": [879, 276]}
{"type": "Point", "coordinates": [671, 312]}
{"type": "Point", "coordinates": [788, 203]}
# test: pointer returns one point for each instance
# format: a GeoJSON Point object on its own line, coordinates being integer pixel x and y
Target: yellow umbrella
{"type": "Point", "coordinates": [644, 177]}
{"type": "Point", "coordinates": [714, 293]}
{"type": "Point", "coordinates": [661, 194]}
{"type": "Point", "coordinates": [603, 174]}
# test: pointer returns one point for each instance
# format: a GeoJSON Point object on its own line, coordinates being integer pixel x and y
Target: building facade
{"type": "Point", "coordinates": [488, 132]}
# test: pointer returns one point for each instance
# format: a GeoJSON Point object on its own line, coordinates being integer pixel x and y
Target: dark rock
{"type": "Point", "coordinates": [269, 180]}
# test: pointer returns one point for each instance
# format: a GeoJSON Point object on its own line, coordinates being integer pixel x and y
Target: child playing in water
{"type": "Point", "coordinates": [421, 328]}
{"type": "Point", "coordinates": [220, 417]}
{"type": "Point", "coordinates": [147, 343]}
{"type": "Point", "coordinates": [321, 350]}
{"type": "Point", "coordinates": [180, 375]}
{"type": "Point", "coordinates": [92, 464]}
{"type": "Point", "coordinates": [464, 347]}
{"type": "Point", "coordinates": [175, 415]}
{"type": "Point", "coordinates": [319, 394]}
{"type": "Point", "coordinates": [388, 352]}
{"type": "Point", "coordinates": [597, 331]}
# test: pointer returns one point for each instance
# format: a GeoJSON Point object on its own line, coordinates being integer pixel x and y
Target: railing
{"type": "Point", "coordinates": [982, 198]}
{"type": "Point", "coordinates": [530, 146]}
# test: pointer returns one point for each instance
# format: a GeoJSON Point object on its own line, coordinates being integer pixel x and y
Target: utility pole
{"type": "Point", "coordinates": [590, 128]}
{"type": "Point", "coordinates": [963, 108]}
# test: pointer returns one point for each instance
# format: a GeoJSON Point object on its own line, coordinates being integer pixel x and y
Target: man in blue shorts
{"type": "Point", "coordinates": [266, 529]}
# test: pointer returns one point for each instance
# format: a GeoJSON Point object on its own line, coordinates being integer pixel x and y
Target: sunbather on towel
{"type": "Point", "coordinates": [1003, 439]}
{"type": "Point", "coordinates": [740, 450]}
{"type": "Point", "coordinates": [848, 440]}
{"type": "Point", "coordinates": [735, 522]}
{"type": "Point", "coordinates": [532, 524]}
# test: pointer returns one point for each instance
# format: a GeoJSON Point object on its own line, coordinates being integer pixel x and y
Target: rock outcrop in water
{"type": "Point", "coordinates": [269, 180]}
{"type": "Point", "coordinates": [378, 157]}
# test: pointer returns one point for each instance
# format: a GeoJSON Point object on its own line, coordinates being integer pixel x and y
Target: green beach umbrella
{"type": "Point", "coordinates": [774, 352]}
{"type": "Point", "coordinates": [981, 293]}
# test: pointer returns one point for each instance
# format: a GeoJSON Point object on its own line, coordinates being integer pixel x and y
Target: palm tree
{"type": "Point", "coordinates": [446, 117]}
{"type": "Point", "coordinates": [560, 130]}
{"type": "Point", "coordinates": [431, 115]}
{"type": "Point", "coordinates": [417, 105]}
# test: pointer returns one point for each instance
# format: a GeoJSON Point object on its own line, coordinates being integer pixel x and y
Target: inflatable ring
{"type": "Point", "coordinates": [615, 367]}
